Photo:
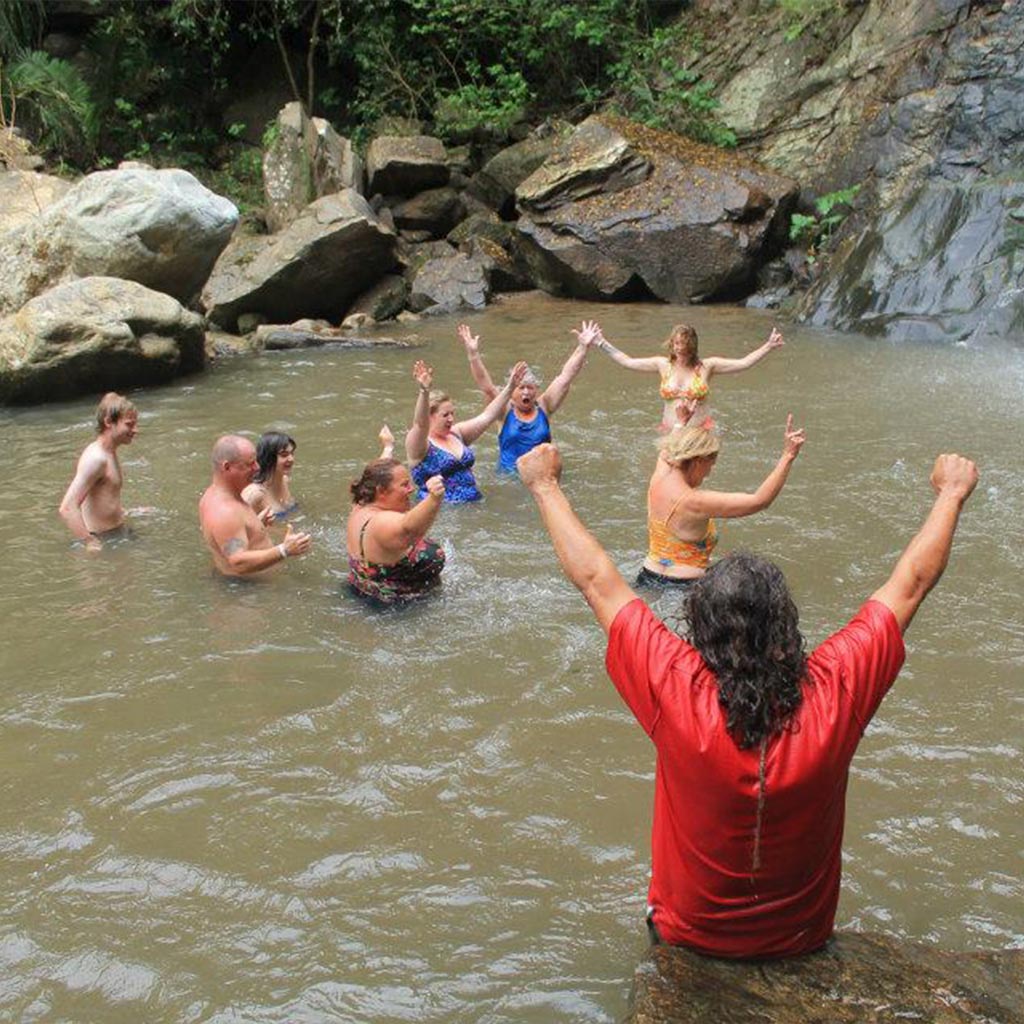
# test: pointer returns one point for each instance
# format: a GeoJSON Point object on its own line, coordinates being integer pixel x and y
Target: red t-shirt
{"type": "Point", "coordinates": [704, 892]}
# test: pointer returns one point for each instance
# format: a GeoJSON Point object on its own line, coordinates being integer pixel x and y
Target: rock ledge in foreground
{"type": "Point", "coordinates": [856, 979]}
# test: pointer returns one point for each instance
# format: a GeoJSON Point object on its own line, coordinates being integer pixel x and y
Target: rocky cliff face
{"type": "Point", "coordinates": [923, 105]}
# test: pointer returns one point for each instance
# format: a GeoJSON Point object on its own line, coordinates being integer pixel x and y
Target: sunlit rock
{"type": "Point", "coordinates": [315, 267]}
{"type": "Point", "coordinates": [94, 335]}
{"type": "Point", "coordinates": [162, 229]}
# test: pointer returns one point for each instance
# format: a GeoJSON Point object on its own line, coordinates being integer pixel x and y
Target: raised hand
{"type": "Point", "coordinates": [589, 333]}
{"type": "Point", "coordinates": [266, 516]}
{"type": "Point", "coordinates": [296, 543]}
{"type": "Point", "coordinates": [540, 466]}
{"type": "Point", "coordinates": [423, 374]}
{"type": "Point", "coordinates": [435, 486]}
{"type": "Point", "coordinates": [775, 339]}
{"type": "Point", "coordinates": [515, 378]}
{"type": "Point", "coordinates": [793, 440]}
{"type": "Point", "coordinates": [387, 442]}
{"type": "Point", "coordinates": [955, 474]}
{"type": "Point", "coordinates": [470, 340]}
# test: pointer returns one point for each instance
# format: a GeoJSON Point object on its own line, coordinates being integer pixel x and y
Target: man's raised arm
{"type": "Point", "coordinates": [923, 562]}
{"type": "Point", "coordinates": [583, 560]}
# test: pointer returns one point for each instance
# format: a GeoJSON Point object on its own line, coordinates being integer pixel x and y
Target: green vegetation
{"type": "Point", "coordinates": [156, 75]}
{"type": "Point", "coordinates": [799, 15]}
{"type": "Point", "coordinates": [831, 209]}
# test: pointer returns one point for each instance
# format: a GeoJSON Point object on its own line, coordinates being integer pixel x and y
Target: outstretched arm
{"type": "Point", "coordinates": [583, 560]}
{"type": "Point", "coordinates": [471, 343]}
{"type": "Point", "coordinates": [228, 534]}
{"type": "Point", "coordinates": [419, 432]}
{"type": "Point", "coordinates": [470, 430]}
{"type": "Point", "coordinates": [556, 391]}
{"type": "Point", "coordinates": [651, 364]}
{"type": "Point", "coordinates": [923, 562]}
{"type": "Point", "coordinates": [719, 364]}
{"type": "Point", "coordinates": [733, 506]}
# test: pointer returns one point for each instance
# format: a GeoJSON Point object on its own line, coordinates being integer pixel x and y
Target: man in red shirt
{"type": "Point", "coordinates": [754, 739]}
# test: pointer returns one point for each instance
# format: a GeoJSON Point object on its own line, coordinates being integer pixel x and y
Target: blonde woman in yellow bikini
{"type": "Point", "coordinates": [685, 378]}
{"type": "Point", "coordinates": [681, 516]}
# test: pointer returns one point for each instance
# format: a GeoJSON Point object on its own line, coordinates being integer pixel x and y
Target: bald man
{"type": "Point", "coordinates": [236, 536]}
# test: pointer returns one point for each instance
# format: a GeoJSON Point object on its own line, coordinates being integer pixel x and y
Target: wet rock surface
{"type": "Point", "coordinates": [856, 979]}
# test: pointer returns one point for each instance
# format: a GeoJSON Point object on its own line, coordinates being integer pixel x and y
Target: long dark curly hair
{"type": "Point", "coordinates": [743, 621]}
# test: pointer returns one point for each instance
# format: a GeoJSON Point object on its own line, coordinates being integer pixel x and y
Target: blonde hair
{"type": "Point", "coordinates": [682, 445]}
{"type": "Point", "coordinates": [113, 408]}
{"type": "Point", "coordinates": [437, 398]}
{"type": "Point", "coordinates": [683, 332]}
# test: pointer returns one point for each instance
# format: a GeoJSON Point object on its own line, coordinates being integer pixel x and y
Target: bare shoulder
{"type": "Point", "coordinates": [255, 495]}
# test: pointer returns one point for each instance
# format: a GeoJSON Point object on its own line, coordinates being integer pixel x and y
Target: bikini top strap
{"type": "Point", "coordinates": [362, 531]}
{"type": "Point", "coordinates": [672, 510]}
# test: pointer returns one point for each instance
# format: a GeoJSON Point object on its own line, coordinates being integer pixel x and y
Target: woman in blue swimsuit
{"type": "Point", "coordinates": [438, 446]}
{"type": "Point", "coordinates": [527, 420]}
{"type": "Point", "coordinates": [270, 492]}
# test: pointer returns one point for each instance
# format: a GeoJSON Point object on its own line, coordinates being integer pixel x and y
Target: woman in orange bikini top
{"type": "Point", "coordinates": [681, 515]}
{"type": "Point", "coordinates": [685, 378]}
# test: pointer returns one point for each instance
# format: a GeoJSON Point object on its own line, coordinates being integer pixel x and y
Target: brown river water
{"type": "Point", "coordinates": [266, 803]}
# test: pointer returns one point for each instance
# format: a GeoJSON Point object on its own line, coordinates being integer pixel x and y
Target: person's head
{"type": "Point", "coordinates": [442, 413]}
{"type": "Point", "coordinates": [693, 450]}
{"type": "Point", "coordinates": [274, 450]}
{"type": "Point", "coordinates": [117, 415]}
{"type": "Point", "coordinates": [525, 393]}
{"type": "Point", "coordinates": [384, 482]}
{"type": "Point", "coordinates": [743, 621]}
{"type": "Point", "coordinates": [234, 462]}
{"type": "Point", "coordinates": [681, 345]}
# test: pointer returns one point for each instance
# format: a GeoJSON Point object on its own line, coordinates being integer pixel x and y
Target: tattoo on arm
{"type": "Point", "coordinates": [232, 546]}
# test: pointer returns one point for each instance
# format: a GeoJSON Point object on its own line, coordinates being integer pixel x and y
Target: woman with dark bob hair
{"type": "Point", "coordinates": [685, 377]}
{"type": "Point", "coordinates": [270, 490]}
{"type": "Point", "coordinates": [681, 514]}
{"type": "Point", "coordinates": [390, 557]}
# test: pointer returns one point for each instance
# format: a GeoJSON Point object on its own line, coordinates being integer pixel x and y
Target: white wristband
{"type": "Point", "coordinates": [282, 551]}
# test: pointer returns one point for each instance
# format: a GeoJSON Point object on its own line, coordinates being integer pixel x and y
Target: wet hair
{"type": "Point", "coordinates": [437, 398]}
{"type": "Point", "coordinates": [742, 619]}
{"type": "Point", "coordinates": [112, 408]}
{"type": "Point", "coordinates": [269, 446]}
{"type": "Point", "coordinates": [686, 443]}
{"type": "Point", "coordinates": [683, 332]}
{"type": "Point", "coordinates": [377, 475]}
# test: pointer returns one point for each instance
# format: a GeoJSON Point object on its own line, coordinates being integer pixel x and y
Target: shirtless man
{"type": "Point", "coordinates": [92, 503]}
{"type": "Point", "coordinates": [236, 536]}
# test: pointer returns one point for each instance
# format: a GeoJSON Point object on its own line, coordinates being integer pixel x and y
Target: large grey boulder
{"type": "Point", "coordinates": [496, 182]}
{"type": "Point", "coordinates": [448, 284]}
{"type": "Point", "coordinates": [403, 165]}
{"type": "Point", "coordinates": [436, 211]}
{"type": "Point", "coordinates": [25, 194]}
{"type": "Point", "coordinates": [306, 159]}
{"type": "Point", "coordinates": [162, 229]}
{"type": "Point", "coordinates": [314, 268]}
{"type": "Point", "coordinates": [622, 211]}
{"type": "Point", "coordinates": [95, 334]}
{"type": "Point", "coordinates": [855, 979]}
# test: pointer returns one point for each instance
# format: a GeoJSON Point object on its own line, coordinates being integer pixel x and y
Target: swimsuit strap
{"type": "Point", "coordinates": [672, 510]}
{"type": "Point", "coordinates": [362, 530]}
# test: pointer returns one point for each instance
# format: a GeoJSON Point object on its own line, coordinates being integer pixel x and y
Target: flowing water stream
{"type": "Point", "coordinates": [229, 802]}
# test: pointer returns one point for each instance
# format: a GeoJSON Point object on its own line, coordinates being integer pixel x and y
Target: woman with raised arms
{"type": "Point", "coordinates": [437, 445]}
{"type": "Point", "coordinates": [685, 377]}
